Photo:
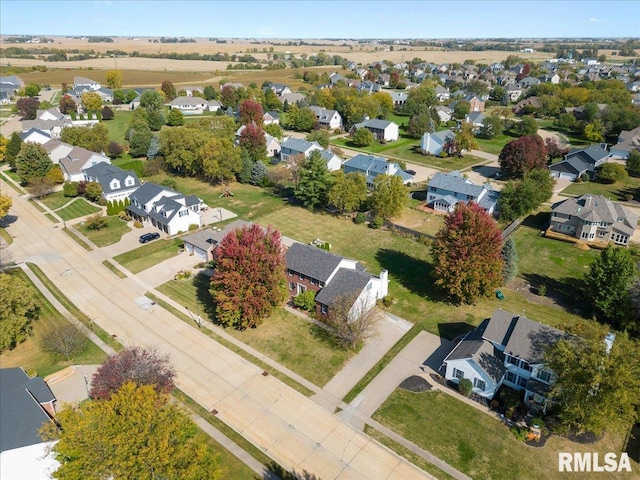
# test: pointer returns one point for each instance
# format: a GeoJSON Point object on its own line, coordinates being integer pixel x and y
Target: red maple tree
{"type": "Point", "coordinates": [250, 111]}
{"type": "Point", "coordinates": [522, 155]}
{"type": "Point", "coordinates": [248, 281]}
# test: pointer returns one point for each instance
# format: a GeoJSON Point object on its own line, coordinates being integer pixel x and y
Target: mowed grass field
{"type": "Point", "coordinates": [479, 445]}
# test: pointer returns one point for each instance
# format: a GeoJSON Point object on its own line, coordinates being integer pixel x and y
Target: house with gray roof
{"type": "Point", "coordinates": [475, 119]}
{"type": "Point", "coordinates": [11, 83]}
{"type": "Point", "coordinates": [293, 147]}
{"type": "Point", "coordinates": [35, 135]}
{"type": "Point", "coordinates": [579, 162]}
{"type": "Point", "coordinates": [436, 142]}
{"type": "Point", "coordinates": [117, 184]}
{"type": "Point", "coordinates": [595, 219]}
{"type": "Point", "coordinates": [78, 160]}
{"type": "Point", "coordinates": [628, 141]}
{"type": "Point", "coordinates": [506, 349]}
{"type": "Point", "coordinates": [292, 98]}
{"type": "Point", "coordinates": [371, 166]}
{"type": "Point", "coordinates": [189, 105]}
{"type": "Point", "coordinates": [166, 209]}
{"type": "Point", "coordinates": [446, 190]}
{"type": "Point", "coordinates": [330, 119]}
{"type": "Point", "coordinates": [383, 130]}
{"type": "Point", "coordinates": [332, 277]}
{"type": "Point", "coordinates": [201, 244]}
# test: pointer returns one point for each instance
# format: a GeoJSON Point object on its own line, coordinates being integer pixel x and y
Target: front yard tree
{"type": "Point", "coordinates": [464, 140]}
{"type": "Point", "coordinates": [94, 138]}
{"type": "Point", "coordinates": [169, 90]}
{"type": "Point", "coordinates": [248, 282]}
{"type": "Point", "coordinates": [250, 111]}
{"type": "Point", "coordinates": [13, 148]}
{"type": "Point", "coordinates": [596, 388]}
{"type": "Point", "coordinates": [175, 118]}
{"type": "Point", "coordinates": [151, 100]}
{"type": "Point", "coordinates": [467, 254]}
{"type": "Point", "coordinates": [608, 282]}
{"type": "Point", "coordinates": [492, 126]}
{"type": "Point", "coordinates": [67, 105]}
{"type": "Point", "coordinates": [5, 205]}
{"type": "Point", "coordinates": [611, 173]}
{"type": "Point", "coordinates": [40, 187]}
{"type": "Point", "coordinates": [137, 433]}
{"type": "Point", "coordinates": [362, 137]}
{"type": "Point", "coordinates": [461, 109]}
{"type": "Point", "coordinates": [510, 259]}
{"type": "Point", "coordinates": [135, 364]}
{"type": "Point", "coordinates": [522, 155]}
{"type": "Point", "coordinates": [114, 79]}
{"type": "Point", "coordinates": [107, 113]}
{"type": "Point", "coordinates": [312, 186]}
{"type": "Point", "coordinates": [388, 197]}
{"type": "Point", "coordinates": [348, 192]}
{"type": "Point", "coordinates": [27, 108]}
{"type": "Point", "coordinates": [320, 136]}
{"type": "Point", "coordinates": [221, 160]}
{"type": "Point", "coordinates": [32, 162]}
{"type": "Point", "coordinates": [17, 310]}
{"type": "Point", "coordinates": [91, 102]}
{"type": "Point", "coordinates": [32, 90]}
{"type": "Point", "coordinates": [65, 341]}
{"type": "Point", "coordinates": [419, 124]}
{"type": "Point", "coordinates": [352, 321]}
{"type": "Point", "coordinates": [252, 139]}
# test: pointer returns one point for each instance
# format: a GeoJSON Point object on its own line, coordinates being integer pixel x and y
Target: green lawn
{"type": "Point", "coordinates": [11, 184]}
{"type": "Point", "coordinates": [286, 338]}
{"type": "Point", "coordinates": [118, 126]}
{"type": "Point", "coordinates": [126, 162]}
{"type": "Point", "coordinates": [30, 356]}
{"type": "Point", "coordinates": [79, 208]}
{"type": "Point", "coordinates": [477, 444]}
{"type": "Point", "coordinates": [420, 221]}
{"type": "Point", "coordinates": [494, 145]}
{"type": "Point", "coordinates": [55, 200]}
{"type": "Point", "coordinates": [375, 147]}
{"type": "Point", "coordinates": [110, 234]}
{"type": "Point", "coordinates": [149, 254]}
{"type": "Point", "coordinates": [615, 191]}
{"type": "Point", "coordinates": [6, 236]}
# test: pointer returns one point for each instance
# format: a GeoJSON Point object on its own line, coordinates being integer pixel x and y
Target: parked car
{"type": "Point", "coordinates": [411, 172]}
{"type": "Point", "coordinates": [147, 237]}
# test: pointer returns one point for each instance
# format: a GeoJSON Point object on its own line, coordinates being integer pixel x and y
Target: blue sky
{"type": "Point", "coordinates": [324, 19]}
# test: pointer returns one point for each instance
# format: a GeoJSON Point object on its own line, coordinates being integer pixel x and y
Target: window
{"type": "Point", "coordinates": [183, 213]}
{"type": "Point", "coordinates": [512, 360]}
{"type": "Point", "coordinates": [479, 384]}
{"type": "Point", "coordinates": [324, 309]}
{"type": "Point", "coordinates": [458, 373]}
{"type": "Point", "coordinates": [525, 365]}
{"type": "Point", "coordinates": [511, 377]}
{"type": "Point", "coordinates": [544, 375]}
{"type": "Point", "coordinates": [522, 381]}
{"type": "Point", "coordinates": [292, 286]}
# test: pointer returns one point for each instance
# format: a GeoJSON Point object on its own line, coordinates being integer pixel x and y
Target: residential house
{"type": "Point", "coordinates": [445, 190]}
{"type": "Point", "coordinates": [78, 160]}
{"type": "Point", "coordinates": [383, 130]}
{"type": "Point", "coordinates": [528, 82]}
{"type": "Point", "coordinates": [553, 78]}
{"type": "Point", "coordinates": [293, 147]}
{"type": "Point", "coordinates": [26, 403]}
{"type": "Point", "coordinates": [53, 128]}
{"type": "Point", "coordinates": [475, 119]}
{"type": "Point", "coordinates": [50, 114]}
{"type": "Point", "coordinates": [445, 114]}
{"type": "Point", "coordinates": [330, 119]}
{"type": "Point", "coordinates": [201, 244]}
{"type": "Point", "coordinates": [35, 135]}
{"type": "Point", "coordinates": [271, 117]}
{"type": "Point", "coordinates": [11, 84]}
{"type": "Point", "coordinates": [628, 141]}
{"type": "Point", "coordinates": [168, 210]}
{"type": "Point", "coordinates": [594, 218]}
{"type": "Point", "coordinates": [117, 184]}
{"type": "Point", "coordinates": [398, 98]}
{"type": "Point", "coordinates": [506, 349]}
{"type": "Point", "coordinates": [527, 106]}
{"type": "Point", "coordinates": [57, 150]}
{"type": "Point", "coordinates": [434, 143]}
{"type": "Point", "coordinates": [580, 162]}
{"type": "Point", "coordinates": [514, 91]}
{"type": "Point", "coordinates": [292, 98]}
{"type": "Point", "coordinates": [476, 104]}
{"type": "Point", "coordinates": [442, 93]}
{"type": "Point", "coordinates": [369, 87]}
{"type": "Point", "coordinates": [273, 146]}
{"type": "Point", "coordinates": [278, 88]}
{"type": "Point", "coordinates": [86, 84]}
{"type": "Point", "coordinates": [371, 167]}
{"type": "Point", "coordinates": [5, 96]}
{"type": "Point", "coordinates": [193, 105]}
{"type": "Point", "coordinates": [332, 277]}
{"type": "Point", "coordinates": [189, 91]}
{"type": "Point", "coordinates": [105, 94]}
{"type": "Point", "coordinates": [335, 77]}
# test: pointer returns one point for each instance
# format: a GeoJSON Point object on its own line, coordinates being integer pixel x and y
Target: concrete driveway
{"type": "Point", "coordinates": [71, 385]}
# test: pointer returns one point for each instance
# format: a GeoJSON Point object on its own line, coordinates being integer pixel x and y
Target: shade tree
{"type": "Point", "coordinates": [522, 155]}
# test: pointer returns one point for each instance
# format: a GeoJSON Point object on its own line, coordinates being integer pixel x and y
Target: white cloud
{"type": "Point", "coordinates": [596, 20]}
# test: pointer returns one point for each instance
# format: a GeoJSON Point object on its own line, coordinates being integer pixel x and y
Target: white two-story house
{"type": "Point", "coordinates": [445, 190]}
{"type": "Point", "coordinates": [330, 119]}
{"type": "Point", "coordinates": [168, 210]}
{"type": "Point", "coordinates": [117, 184]}
{"type": "Point", "coordinates": [506, 350]}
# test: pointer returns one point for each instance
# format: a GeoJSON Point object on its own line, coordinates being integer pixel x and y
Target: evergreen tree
{"type": "Point", "coordinates": [510, 258]}
{"type": "Point", "coordinates": [247, 165]}
{"type": "Point", "coordinates": [258, 172]}
{"type": "Point", "coordinates": [13, 148]}
{"type": "Point", "coordinates": [32, 162]}
{"type": "Point", "coordinates": [312, 186]}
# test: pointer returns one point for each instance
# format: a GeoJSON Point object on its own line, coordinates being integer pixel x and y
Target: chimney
{"type": "Point", "coordinates": [384, 283]}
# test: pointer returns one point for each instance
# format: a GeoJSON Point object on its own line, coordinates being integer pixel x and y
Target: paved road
{"type": "Point", "coordinates": [292, 429]}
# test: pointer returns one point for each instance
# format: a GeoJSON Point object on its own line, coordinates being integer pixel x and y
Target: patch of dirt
{"type": "Point", "coordinates": [415, 384]}
{"type": "Point", "coordinates": [531, 293]}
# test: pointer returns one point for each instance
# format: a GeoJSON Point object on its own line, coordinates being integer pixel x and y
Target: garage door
{"type": "Point", "coordinates": [567, 176]}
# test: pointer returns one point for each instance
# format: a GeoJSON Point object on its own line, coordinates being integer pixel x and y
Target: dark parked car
{"type": "Point", "coordinates": [147, 237]}
{"type": "Point", "coordinates": [411, 172]}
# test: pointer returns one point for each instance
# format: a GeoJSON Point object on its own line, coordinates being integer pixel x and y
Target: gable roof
{"type": "Point", "coordinates": [592, 154]}
{"type": "Point", "coordinates": [204, 239]}
{"type": "Point", "coordinates": [105, 172]}
{"type": "Point", "coordinates": [628, 140]}
{"type": "Point", "coordinates": [375, 123]}
{"type": "Point", "coordinates": [345, 282]}
{"type": "Point", "coordinates": [299, 145]}
{"type": "Point", "coordinates": [442, 136]}
{"type": "Point", "coordinates": [83, 81]}
{"type": "Point", "coordinates": [372, 166]}
{"type": "Point", "coordinates": [33, 130]}
{"type": "Point", "coordinates": [312, 261]}
{"type": "Point", "coordinates": [521, 337]}
{"type": "Point", "coordinates": [597, 208]}
{"type": "Point", "coordinates": [21, 413]}
{"type": "Point", "coordinates": [455, 182]}
{"type": "Point", "coordinates": [323, 114]}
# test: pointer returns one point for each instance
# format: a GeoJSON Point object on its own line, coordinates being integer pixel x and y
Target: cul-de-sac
{"type": "Point", "coordinates": [319, 240]}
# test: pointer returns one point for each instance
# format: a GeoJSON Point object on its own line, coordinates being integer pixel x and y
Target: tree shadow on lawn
{"type": "Point", "coordinates": [539, 221]}
{"type": "Point", "coordinates": [410, 272]}
{"type": "Point", "coordinates": [566, 293]}
{"type": "Point", "coordinates": [454, 330]}
{"type": "Point", "coordinates": [202, 282]}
